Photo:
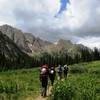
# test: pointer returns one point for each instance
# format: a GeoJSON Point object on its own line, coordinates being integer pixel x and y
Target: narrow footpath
{"type": "Point", "coordinates": [40, 97]}
{"type": "Point", "coordinates": [48, 94]}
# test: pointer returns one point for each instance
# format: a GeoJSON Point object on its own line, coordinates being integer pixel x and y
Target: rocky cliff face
{"type": "Point", "coordinates": [30, 44]}
{"type": "Point", "coordinates": [35, 44]}
{"type": "Point", "coordinates": [64, 46]}
{"type": "Point", "coordinates": [16, 35]}
{"type": "Point", "coordinates": [25, 41]}
{"type": "Point", "coordinates": [10, 51]}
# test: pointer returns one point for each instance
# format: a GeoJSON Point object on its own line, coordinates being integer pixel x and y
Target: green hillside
{"type": "Point", "coordinates": [19, 84]}
{"type": "Point", "coordinates": [83, 83]}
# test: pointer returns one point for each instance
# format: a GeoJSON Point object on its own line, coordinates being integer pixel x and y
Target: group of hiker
{"type": "Point", "coordinates": [50, 73]}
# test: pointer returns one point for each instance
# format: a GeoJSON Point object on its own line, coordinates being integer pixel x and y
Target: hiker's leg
{"type": "Point", "coordinates": [46, 85]}
{"type": "Point", "coordinates": [52, 82]}
{"type": "Point", "coordinates": [45, 92]}
{"type": "Point", "coordinates": [64, 75]}
{"type": "Point", "coordinates": [67, 75]}
{"type": "Point", "coordinates": [42, 90]}
{"type": "Point", "coordinates": [58, 76]}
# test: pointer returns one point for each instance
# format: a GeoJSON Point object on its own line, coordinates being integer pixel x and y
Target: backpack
{"type": "Point", "coordinates": [59, 69]}
{"type": "Point", "coordinates": [43, 73]}
{"type": "Point", "coordinates": [51, 71]}
{"type": "Point", "coordinates": [65, 68]}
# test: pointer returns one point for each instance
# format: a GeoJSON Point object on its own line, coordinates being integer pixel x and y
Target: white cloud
{"type": "Point", "coordinates": [37, 16]}
{"type": "Point", "coordinates": [90, 42]}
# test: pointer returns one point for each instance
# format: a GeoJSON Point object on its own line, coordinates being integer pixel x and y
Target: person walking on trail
{"type": "Point", "coordinates": [59, 72]}
{"type": "Point", "coordinates": [52, 75]}
{"type": "Point", "coordinates": [65, 71]}
{"type": "Point", "coordinates": [44, 79]}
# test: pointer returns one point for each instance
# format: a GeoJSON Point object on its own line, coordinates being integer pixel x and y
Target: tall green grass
{"type": "Point", "coordinates": [19, 84]}
{"type": "Point", "coordinates": [83, 83]}
{"type": "Point", "coordinates": [81, 88]}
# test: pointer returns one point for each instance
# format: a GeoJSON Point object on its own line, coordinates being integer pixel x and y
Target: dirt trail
{"type": "Point", "coordinates": [40, 97]}
{"type": "Point", "coordinates": [48, 94]}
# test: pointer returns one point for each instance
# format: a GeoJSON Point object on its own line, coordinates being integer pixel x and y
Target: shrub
{"type": "Point", "coordinates": [78, 69]}
{"type": "Point", "coordinates": [95, 71]}
{"type": "Point", "coordinates": [84, 88]}
{"type": "Point", "coordinates": [8, 87]}
{"type": "Point", "coordinates": [62, 91]}
{"type": "Point", "coordinates": [1, 87]}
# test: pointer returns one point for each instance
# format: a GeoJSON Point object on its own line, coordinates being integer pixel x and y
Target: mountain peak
{"type": "Point", "coordinates": [9, 29]}
{"type": "Point", "coordinates": [6, 25]}
{"type": "Point", "coordinates": [27, 42]}
{"type": "Point", "coordinates": [64, 41]}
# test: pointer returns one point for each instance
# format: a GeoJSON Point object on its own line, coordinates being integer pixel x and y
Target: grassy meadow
{"type": "Point", "coordinates": [83, 83]}
{"type": "Point", "coordinates": [19, 84]}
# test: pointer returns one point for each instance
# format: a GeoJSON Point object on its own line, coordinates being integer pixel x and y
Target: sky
{"type": "Point", "coordinates": [63, 6]}
{"type": "Point", "coordinates": [76, 20]}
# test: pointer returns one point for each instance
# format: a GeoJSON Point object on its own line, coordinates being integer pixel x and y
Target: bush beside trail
{"type": "Point", "coordinates": [81, 88]}
{"type": "Point", "coordinates": [78, 69]}
{"type": "Point", "coordinates": [83, 83]}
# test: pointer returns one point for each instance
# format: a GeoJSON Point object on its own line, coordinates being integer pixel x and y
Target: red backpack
{"type": "Point", "coordinates": [44, 72]}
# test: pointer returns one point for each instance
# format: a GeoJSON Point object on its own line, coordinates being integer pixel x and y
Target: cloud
{"type": "Point", "coordinates": [90, 41]}
{"type": "Point", "coordinates": [80, 19]}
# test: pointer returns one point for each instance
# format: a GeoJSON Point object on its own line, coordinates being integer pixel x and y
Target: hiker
{"type": "Point", "coordinates": [65, 71]}
{"type": "Point", "coordinates": [59, 72]}
{"type": "Point", "coordinates": [44, 79]}
{"type": "Point", "coordinates": [52, 75]}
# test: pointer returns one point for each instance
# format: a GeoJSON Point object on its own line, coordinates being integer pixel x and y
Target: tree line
{"type": "Point", "coordinates": [53, 59]}
{"type": "Point", "coordinates": [56, 58]}
{"type": "Point", "coordinates": [12, 63]}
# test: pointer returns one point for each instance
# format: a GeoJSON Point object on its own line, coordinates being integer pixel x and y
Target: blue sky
{"type": "Point", "coordinates": [63, 5]}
